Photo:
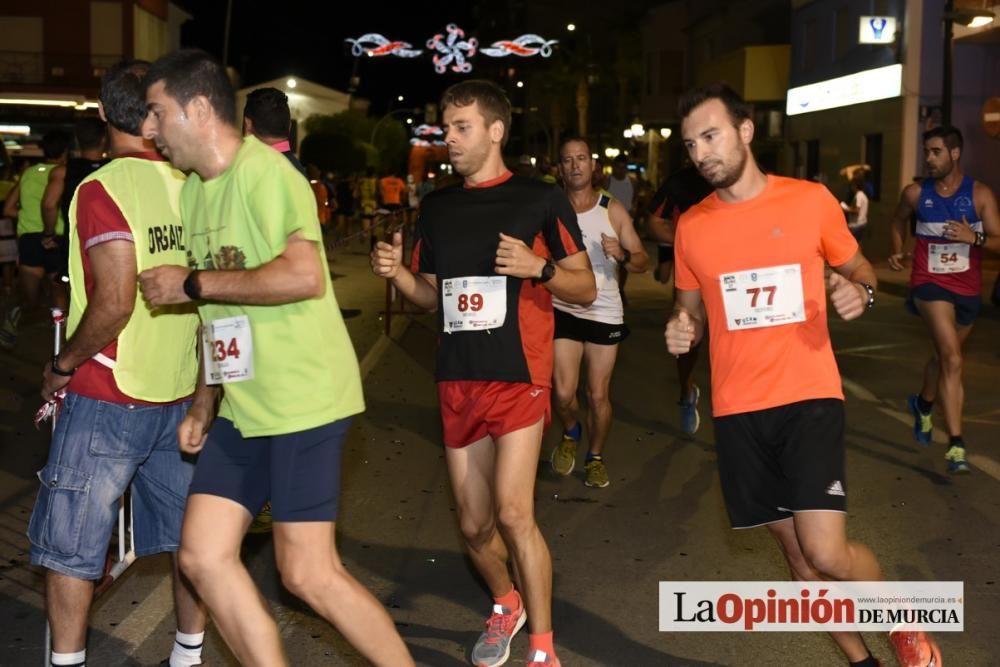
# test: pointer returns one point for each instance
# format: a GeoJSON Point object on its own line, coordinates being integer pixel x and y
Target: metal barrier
{"type": "Point", "coordinates": [391, 222]}
{"type": "Point", "coordinates": [125, 536]}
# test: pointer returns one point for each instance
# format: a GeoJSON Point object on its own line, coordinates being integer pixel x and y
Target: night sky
{"type": "Point", "coordinates": [275, 39]}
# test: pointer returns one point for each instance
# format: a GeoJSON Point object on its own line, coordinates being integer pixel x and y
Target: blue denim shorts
{"type": "Point", "coordinates": [97, 450]}
{"type": "Point", "coordinates": [298, 472]}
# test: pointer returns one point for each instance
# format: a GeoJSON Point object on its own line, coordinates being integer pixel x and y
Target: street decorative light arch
{"type": "Point", "coordinates": [427, 135]}
{"type": "Point", "coordinates": [524, 46]}
{"type": "Point", "coordinates": [451, 49]}
{"type": "Point", "coordinates": [375, 45]}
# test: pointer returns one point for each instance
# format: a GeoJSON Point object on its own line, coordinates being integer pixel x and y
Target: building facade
{"type": "Point", "coordinates": [55, 52]}
{"type": "Point", "coordinates": [854, 104]}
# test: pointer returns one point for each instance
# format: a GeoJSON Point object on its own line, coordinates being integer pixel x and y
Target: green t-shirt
{"type": "Point", "coordinates": [33, 183]}
{"type": "Point", "coordinates": [305, 369]}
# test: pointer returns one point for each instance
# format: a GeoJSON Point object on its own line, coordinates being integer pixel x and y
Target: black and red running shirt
{"type": "Point", "coordinates": [457, 235]}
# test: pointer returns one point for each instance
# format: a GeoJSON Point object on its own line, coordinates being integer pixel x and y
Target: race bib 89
{"type": "Point", "coordinates": [474, 303]}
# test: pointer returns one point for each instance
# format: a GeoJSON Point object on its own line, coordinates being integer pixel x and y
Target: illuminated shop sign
{"type": "Point", "coordinates": [868, 86]}
{"type": "Point", "coordinates": [877, 30]}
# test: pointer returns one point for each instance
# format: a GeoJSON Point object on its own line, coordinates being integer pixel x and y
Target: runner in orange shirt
{"type": "Point", "coordinates": [754, 254]}
{"type": "Point", "coordinates": [391, 188]}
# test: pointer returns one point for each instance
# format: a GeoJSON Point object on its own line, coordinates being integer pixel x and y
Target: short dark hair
{"type": "Point", "coordinates": [268, 109]}
{"type": "Point", "coordinates": [738, 109]}
{"type": "Point", "coordinates": [55, 143]}
{"type": "Point", "coordinates": [188, 73]}
{"type": "Point", "coordinates": [492, 101]}
{"type": "Point", "coordinates": [621, 159]}
{"type": "Point", "coordinates": [123, 96]}
{"type": "Point", "coordinates": [949, 134]}
{"type": "Point", "coordinates": [90, 132]}
{"type": "Point", "coordinates": [570, 139]}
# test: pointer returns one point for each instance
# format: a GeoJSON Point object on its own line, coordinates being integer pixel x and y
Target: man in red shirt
{"type": "Point", "coordinates": [119, 419]}
{"type": "Point", "coordinates": [957, 218]}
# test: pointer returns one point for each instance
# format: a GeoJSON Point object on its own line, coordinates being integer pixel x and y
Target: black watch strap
{"type": "Point", "coordinates": [548, 272]}
{"type": "Point", "coordinates": [627, 256]}
{"type": "Point", "coordinates": [191, 286]}
{"type": "Point", "coordinates": [58, 371]}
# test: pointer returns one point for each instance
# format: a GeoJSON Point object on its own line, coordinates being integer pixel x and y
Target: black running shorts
{"type": "Point", "coordinates": [588, 331]}
{"type": "Point", "coordinates": [782, 460]}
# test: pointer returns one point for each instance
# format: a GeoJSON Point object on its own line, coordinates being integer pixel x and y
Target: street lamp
{"type": "Point", "coordinates": [653, 138]}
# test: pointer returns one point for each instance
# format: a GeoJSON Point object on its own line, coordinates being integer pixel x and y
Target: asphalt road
{"type": "Point", "coordinates": [661, 518]}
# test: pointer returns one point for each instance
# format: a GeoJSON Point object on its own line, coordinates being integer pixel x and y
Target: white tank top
{"type": "Point", "coordinates": [607, 307]}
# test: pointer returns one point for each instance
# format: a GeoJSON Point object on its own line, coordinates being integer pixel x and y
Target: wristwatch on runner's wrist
{"type": "Point", "coordinates": [58, 371]}
{"type": "Point", "coordinates": [626, 256]}
{"type": "Point", "coordinates": [548, 271]}
{"type": "Point", "coordinates": [191, 286]}
{"type": "Point", "coordinates": [871, 294]}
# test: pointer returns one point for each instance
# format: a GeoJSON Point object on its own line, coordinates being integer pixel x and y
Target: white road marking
{"type": "Point", "coordinates": [145, 617]}
{"type": "Point", "coordinates": [859, 391]}
{"type": "Point", "coordinates": [985, 464]}
{"type": "Point", "coordinates": [866, 348]}
{"type": "Point", "coordinates": [375, 352]}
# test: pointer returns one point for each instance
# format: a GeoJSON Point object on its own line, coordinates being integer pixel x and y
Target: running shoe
{"type": "Point", "coordinates": [540, 658]}
{"type": "Point", "coordinates": [915, 649]}
{"type": "Point", "coordinates": [493, 646]}
{"type": "Point", "coordinates": [955, 456]}
{"type": "Point", "coordinates": [690, 419]}
{"type": "Point", "coordinates": [922, 427]}
{"type": "Point", "coordinates": [597, 474]}
{"type": "Point", "coordinates": [564, 456]}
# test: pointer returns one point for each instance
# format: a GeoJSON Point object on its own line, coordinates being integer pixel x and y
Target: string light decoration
{"type": "Point", "coordinates": [427, 135]}
{"type": "Point", "coordinates": [451, 49]}
{"type": "Point", "coordinates": [424, 130]}
{"type": "Point", "coordinates": [524, 46]}
{"type": "Point", "coordinates": [375, 45]}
